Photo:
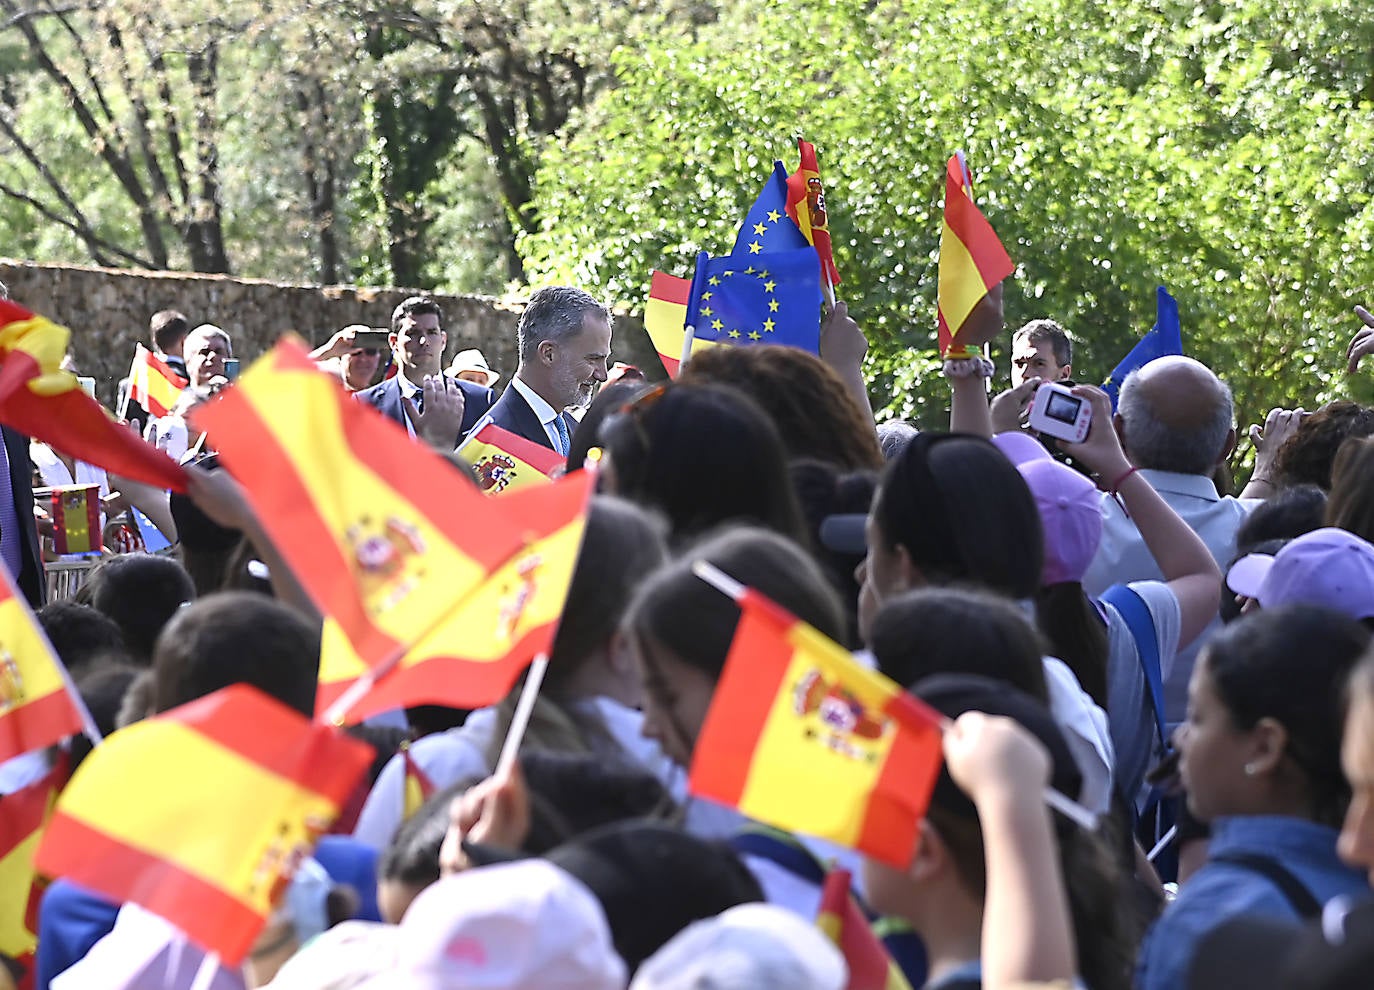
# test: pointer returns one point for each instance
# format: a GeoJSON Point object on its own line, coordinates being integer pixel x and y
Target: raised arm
{"type": "Point", "coordinates": [1183, 559]}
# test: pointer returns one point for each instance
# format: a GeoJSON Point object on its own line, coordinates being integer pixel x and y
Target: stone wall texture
{"type": "Point", "coordinates": [107, 311]}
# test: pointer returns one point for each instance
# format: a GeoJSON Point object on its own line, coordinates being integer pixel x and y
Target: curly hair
{"type": "Point", "coordinates": [808, 401]}
{"type": "Point", "coordinates": [1308, 455]}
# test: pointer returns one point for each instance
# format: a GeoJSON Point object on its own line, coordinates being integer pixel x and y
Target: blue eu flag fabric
{"type": "Point", "coordinates": [1164, 338]}
{"type": "Point", "coordinates": [767, 227]}
{"type": "Point", "coordinates": [769, 298]}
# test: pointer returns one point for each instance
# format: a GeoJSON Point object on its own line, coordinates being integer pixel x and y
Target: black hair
{"type": "Point", "coordinates": [102, 690]}
{"type": "Point", "coordinates": [963, 513]}
{"type": "Point", "coordinates": [680, 612]}
{"type": "Point", "coordinates": [237, 637]}
{"type": "Point", "coordinates": [703, 455]}
{"type": "Point", "coordinates": [824, 490]}
{"type": "Point", "coordinates": [1290, 664]}
{"type": "Point", "coordinates": [958, 631]}
{"type": "Point", "coordinates": [1229, 609]}
{"type": "Point", "coordinates": [574, 793]}
{"type": "Point", "coordinates": [1039, 331]}
{"type": "Point", "coordinates": [169, 329]}
{"type": "Point", "coordinates": [414, 306]}
{"type": "Point", "coordinates": [140, 592]}
{"type": "Point", "coordinates": [1286, 515]}
{"type": "Point", "coordinates": [607, 403]}
{"type": "Point", "coordinates": [82, 637]}
{"type": "Point", "coordinates": [412, 855]}
{"type": "Point", "coordinates": [1076, 634]}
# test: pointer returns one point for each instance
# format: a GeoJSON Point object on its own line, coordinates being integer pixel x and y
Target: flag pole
{"type": "Point", "coordinates": [206, 972]}
{"type": "Point", "coordinates": [524, 708]}
{"type": "Point", "coordinates": [689, 327]}
{"type": "Point", "coordinates": [337, 712]}
{"type": "Point", "coordinates": [733, 589]}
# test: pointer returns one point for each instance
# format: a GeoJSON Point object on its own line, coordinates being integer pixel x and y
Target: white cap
{"type": "Point", "coordinates": [473, 360]}
{"type": "Point", "coordinates": [521, 926]}
{"type": "Point", "coordinates": [744, 948]}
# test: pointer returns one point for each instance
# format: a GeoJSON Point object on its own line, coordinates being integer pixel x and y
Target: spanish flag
{"type": "Point", "coordinates": [415, 570]}
{"type": "Point", "coordinates": [870, 967]}
{"type": "Point", "coordinates": [75, 511]}
{"type": "Point", "coordinates": [801, 737]}
{"type": "Point", "coordinates": [471, 654]}
{"type": "Point", "coordinates": [417, 786]}
{"type": "Point", "coordinates": [40, 400]}
{"type": "Point", "coordinates": [152, 382]}
{"type": "Point", "coordinates": [972, 259]}
{"type": "Point", "coordinates": [35, 708]}
{"type": "Point", "coordinates": [806, 207]}
{"type": "Point", "coordinates": [505, 462]}
{"type": "Point", "coordinates": [23, 815]}
{"type": "Point", "coordinates": [201, 814]}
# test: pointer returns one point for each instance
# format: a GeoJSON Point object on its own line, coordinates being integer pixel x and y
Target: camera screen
{"type": "Point", "coordinates": [1063, 407]}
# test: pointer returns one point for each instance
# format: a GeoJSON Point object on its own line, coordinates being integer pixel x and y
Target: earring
{"type": "Point", "coordinates": [1249, 769]}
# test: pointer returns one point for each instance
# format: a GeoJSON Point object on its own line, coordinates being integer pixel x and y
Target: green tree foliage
{"type": "Point", "coordinates": [1218, 148]}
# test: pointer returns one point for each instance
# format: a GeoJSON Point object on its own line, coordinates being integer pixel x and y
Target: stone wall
{"type": "Point", "coordinates": [108, 310]}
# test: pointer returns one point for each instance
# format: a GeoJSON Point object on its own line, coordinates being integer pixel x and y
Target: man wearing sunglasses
{"type": "Point", "coordinates": [353, 354]}
{"type": "Point", "coordinates": [429, 404]}
{"type": "Point", "coordinates": [564, 336]}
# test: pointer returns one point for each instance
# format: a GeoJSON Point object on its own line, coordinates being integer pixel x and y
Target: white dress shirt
{"type": "Point", "coordinates": [546, 413]}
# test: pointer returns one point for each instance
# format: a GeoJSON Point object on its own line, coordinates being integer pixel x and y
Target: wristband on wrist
{"type": "Point", "coordinates": [1115, 487]}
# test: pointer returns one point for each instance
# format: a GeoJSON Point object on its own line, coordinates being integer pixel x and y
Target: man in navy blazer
{"type": "Point", "coordinates": [417, 345]}
{"type": "Point", "coordinates": [564, 338]}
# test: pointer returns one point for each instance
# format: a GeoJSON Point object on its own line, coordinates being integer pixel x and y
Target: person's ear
{"type": "Point", "coordinates": [1119, 427]}
{"type": "Point", "coordinates": [1268, 743]}
{"type": "Point", "coordinates": [545, 352]}
{"type": "Point", "coordinates": [1229, 447]}
{"type": "Point", "coordinates": [931, 857]}
{"type": "Point", "coordinates": [1066, 371]}
{"type": "Point", "coordinates": [391, 339]}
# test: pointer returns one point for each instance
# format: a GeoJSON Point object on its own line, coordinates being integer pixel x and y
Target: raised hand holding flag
{"type": "Point", "coordinates": [972, 260]}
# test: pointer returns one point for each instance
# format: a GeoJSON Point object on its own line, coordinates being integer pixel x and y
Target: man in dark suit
{"type": "Point", "coordinates": [564, 337]}
{"type": "Point", "coordinates": [429, 404]}
{"type": "Point", "coordinates": [18, 532]}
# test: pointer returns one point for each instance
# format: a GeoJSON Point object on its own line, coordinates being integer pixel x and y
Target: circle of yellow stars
{"type": "Point", "coordinates": [716, 324]}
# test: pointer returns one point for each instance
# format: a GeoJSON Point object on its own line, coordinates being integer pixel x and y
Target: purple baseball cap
{"type": "Point", "coordinates": [1069, 504]}
{"type": "Point", "coordinates": [1328, 567]}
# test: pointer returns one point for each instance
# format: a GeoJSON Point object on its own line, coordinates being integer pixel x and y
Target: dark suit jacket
{"type": "Point", "coordinates": [386, 399]}
{"type": "Point", "coordinates": [30, 578]}
{"type": "Point", "coordinates": [512, 412]}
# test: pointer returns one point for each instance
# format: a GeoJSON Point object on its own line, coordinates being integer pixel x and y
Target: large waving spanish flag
{"type": "Point", "coordinates": [802, 737]}
{"type": "Point", "coordinates": [152, 382]}
{"type": "Point", "coordinates": [473, 652]}
{"type": "Point", "coordinates": [505, 462]}
{"type": "Point", "coordinates": [40, 400]}
{"type": "Point", "coordinates": [201, 814]}
{"type": "Point", "coordinates": [972, 259]}
{"type": "Point", "coordinates": [408, 561]}
{"type": "Point", "coordinates": [35, 708]}
{"type": "Point", "coordinates": [806, 207]}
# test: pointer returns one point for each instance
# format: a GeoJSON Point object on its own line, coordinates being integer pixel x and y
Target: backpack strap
{"type": "Point", "coordinates": [781, 848]}
{"type": "Point", "coordinates": [1293, 889]}
{"type": "Point", "coordinates": [1141, 624]}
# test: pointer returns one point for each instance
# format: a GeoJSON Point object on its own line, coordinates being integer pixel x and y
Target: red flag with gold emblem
{"type": "Point", "coordinates": [36, 709]}
{"type": "Point", "coordinates": [202, 814]}
{"type": "Point", "coordinates": [505, 462]}
{"type": "Point", "coordinates": [806, 207]}
{"type": "Point", "coordinates": [972, 259]}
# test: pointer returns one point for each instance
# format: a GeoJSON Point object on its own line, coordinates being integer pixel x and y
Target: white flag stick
{"type": "Point", "coordinates": [523, 709]}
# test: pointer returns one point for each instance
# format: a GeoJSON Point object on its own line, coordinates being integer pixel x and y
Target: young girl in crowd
{"type": "Point", "coordinates": [586, 703]}
{"type": "Point", "coordinates": [1261, 761]}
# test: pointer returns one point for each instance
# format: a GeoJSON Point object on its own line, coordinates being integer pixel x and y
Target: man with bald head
{"type": "Point", "coordinates": [1176, 424]}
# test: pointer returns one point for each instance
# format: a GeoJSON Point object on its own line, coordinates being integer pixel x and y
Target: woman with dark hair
{"type": "Point", "coordinates": [702, 455]}
{"type": "Point", "coordinates": [1351, 506]}
{"type": "Point", "coordinates": [808, 402]}
{"type": "Point", "coordinates": [1261, 761]}
{"type": "Point", "coordinates": [609, 401]}
{"type": "Point", "coordinates": [586, 703]}
{"type": "Point", "coordinates": [824, 491]}
{"type": "Point", "coordinates": [679, 629]}
{"type": "Point", "coordinates": [960, 858]}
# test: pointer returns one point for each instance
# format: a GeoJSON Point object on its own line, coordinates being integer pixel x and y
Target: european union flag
{"type": "Point", "coordinates": [769, 299]}
{"type": "Point", "coordinates": [767, 227]}
{"type": "Point", "coordinates": [1164, 338]}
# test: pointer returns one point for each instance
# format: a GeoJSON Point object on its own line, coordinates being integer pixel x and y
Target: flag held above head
{"type": "Point", "coordinates": [44, 402]}
{"type": "Point", "coordinates": [802, 737]}
{"type": "Point", "coordinates": [770, 299]}
{"type": "Point", "coordinates": [972, 259]}
{"type": "Point", "coordinates": [202, 814]}
{"type": "Point", "coordinates": [770, 225]}
{"type": "Point", "coordinates": [1165, 338]}
{"type": "Point", "coordinates": [665, 319]}
{"type": "Point", "coordinates": [153, 384]}
{"type": "Point", "coordinates": [806, 207]}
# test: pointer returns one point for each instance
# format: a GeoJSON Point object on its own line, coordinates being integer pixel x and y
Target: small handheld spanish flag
{"type": "Point", "coordinates": [418, 786]}
{"type": "Point", "coordinates": [870, 967]}
{"type": "Point", "coordinates": [504, 461]}
{"type": "Point", "coordinates": [202, 814]}
{"type": "Point", "coordinates": [35, 708]}
{"type": "Point", "coordinates": [152, 382]}
{"type": "Point", "coordinates": [806, 207]}
{"type": "Point", "coordinates": [75, 511]}
{"type": "Point", "coordinates": [802, 737]}
{"type": "Point", "coordinates": [972, 259]}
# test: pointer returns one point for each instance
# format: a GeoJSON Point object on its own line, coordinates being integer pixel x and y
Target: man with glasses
{"type": "Point", "coordinates": [564, 336]}
{"type": "Point", "coordinates": [352, 355]}
{"type": "Point", "coordinates": [429, 404]}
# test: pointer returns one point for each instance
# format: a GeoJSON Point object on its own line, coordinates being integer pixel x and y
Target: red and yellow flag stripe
{"type": "Point", "coordinates": [806, 207]}
{"type": "Point", "coordinates": [201, 814]}
{"type": "Point", "coordinates": [870, 966]}
{"type": "Point", "coordinates": [22, 817]}
{"type": "Point", "coordinates": [665, 317]}
{"type": "Point", "coordinates": [801, 737]}
{"type": "Point", "coordinates": [35, 708]}
{"type": "Point", "coordinates": [153, 384]}
{"type": "Point", "coordinates": [972, 259]}
{"type": "Point", "coordinates": [505, 462]}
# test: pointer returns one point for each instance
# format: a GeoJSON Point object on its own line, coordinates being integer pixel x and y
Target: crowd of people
{"type": "Point", "coordinates": [1102, 618]}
